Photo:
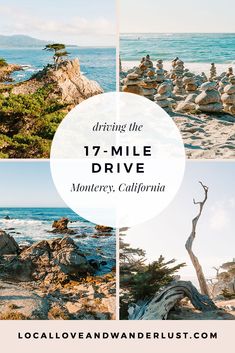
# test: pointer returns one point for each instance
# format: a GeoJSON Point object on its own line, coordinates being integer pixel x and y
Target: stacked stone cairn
{"type": "Point", "coordinates": [222, 83]}
{"type": "Point", "coordinates": [190, 83]}
{"type": "Point", "coordinates": [229, 72]}
{"type": "Point", "coordinates": [177, 68]}
{"type": "Point", "coordinates": [203, 77]}
{"type": "Point", "coordinates": [228, 97]}
{"type": "Point", "coordinates": [147, 62]}
{"type": "Point", "coordinates": [163, 96]}
{"type": "Point", "coordinates": [209, 99]}
{"type": "Point", "coordinates": [149, 84]}
{"type": "Point", "coordinates": [131, 83]}
{"type": "Point", "coordinates": [213, 73]}
{"type": "Point", "coordinates": [160, 71]}
{"type": "Point", "coordinates": [179, 87]}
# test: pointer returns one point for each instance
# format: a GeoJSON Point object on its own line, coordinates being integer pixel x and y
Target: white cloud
{"type": "Point", "coordinates": [17, 22]}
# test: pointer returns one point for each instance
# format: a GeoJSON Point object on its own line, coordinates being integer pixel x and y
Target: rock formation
{"type": "Point", "coordinates": [61, 226]}
{"type": "Point", "coordinates": [209, 99]}
{"type": "Point", "coordinates": [67, 83]}
{"type": "Point", "coordinates": [103, 229]}
{"type": "Point", "coordinates": [7, 70]}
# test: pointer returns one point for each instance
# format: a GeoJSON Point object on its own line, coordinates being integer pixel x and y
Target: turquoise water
{"type": "Point", "coordinates": [29, 225]}
{"type": "Point", "coordinates": [97, 64]}
{"type": "Point", "coordinates": [192, 48]}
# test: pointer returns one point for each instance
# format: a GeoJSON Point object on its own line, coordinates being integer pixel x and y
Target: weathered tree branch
{"type": "Point", "coordinates": [158, 308]}
{"type": "Point", "coordinates": [200, 275]}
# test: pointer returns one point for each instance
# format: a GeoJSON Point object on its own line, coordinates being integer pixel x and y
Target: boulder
{"type": "Point", "coordinates": [61, 226]}
{"type": "Point", "coordinates": [103, 229]}
{"type": "Point", "coordinates": [207, 97]}
{"type": "Point", "coordinates": [8, 245]}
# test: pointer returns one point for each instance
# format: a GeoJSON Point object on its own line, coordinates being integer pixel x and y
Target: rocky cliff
{"type": "Point", "coordinates": [67, 83]}
{"type": "Point", "coordinates": [7, 70]}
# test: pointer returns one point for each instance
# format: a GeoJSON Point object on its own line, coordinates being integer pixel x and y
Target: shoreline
{"type": "Point", "coordinates": [195, 68]}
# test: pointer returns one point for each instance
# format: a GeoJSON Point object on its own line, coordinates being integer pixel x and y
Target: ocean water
{"type": "Point", "coordinates": [190, 47]}
{"type": "Point", "coordinates": [97, 64]}
{"type": "Point", "coordinates": [29, 225]}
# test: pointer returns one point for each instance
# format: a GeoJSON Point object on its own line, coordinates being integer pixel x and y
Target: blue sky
{"type": "Point", "coordinates": [215, 239]}
{"type": "Point", "coordinates": [74, 22]}
{"type": "Point", "coordinates": [27, 184]}
{"type": "Point", "coordinates": [177, 16]}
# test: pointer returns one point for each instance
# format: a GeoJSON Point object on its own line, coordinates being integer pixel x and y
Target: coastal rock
{"type": "Point", "coordinates": [59, 257]}
{"type": "Point", "coordinates": [7, 70]}
{"type": "Point", "coordinates": [67, 83]}
{"type": "Point", "coordinates": [103, 229]}
{"type": "Point", "coordinates": [61, 226]}
{"type": "Point", "coordinates": [8, 245]}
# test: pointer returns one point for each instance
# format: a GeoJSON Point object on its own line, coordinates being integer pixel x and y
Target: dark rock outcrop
{"type": "Point", "coordinates": [61, 226]}
{"type": "Point", "coordinates": [8, 245]}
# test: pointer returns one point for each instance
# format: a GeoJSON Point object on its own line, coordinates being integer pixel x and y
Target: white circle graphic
{"type": "Point", "coordinates": [117, 159]}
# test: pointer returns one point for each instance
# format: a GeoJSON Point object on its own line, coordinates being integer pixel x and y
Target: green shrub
{"type": "Point", "coordinates": [3, 62]}
{"type": "Point", "coordinates": [28, 123]}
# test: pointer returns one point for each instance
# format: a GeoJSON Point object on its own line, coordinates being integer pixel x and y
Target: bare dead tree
{"type": "Point", "coordinates": [217, 269]}
{"type": "Point", "coordinates": [189, 243]}
{"type": "Point", "coordinates": [160, 305]}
